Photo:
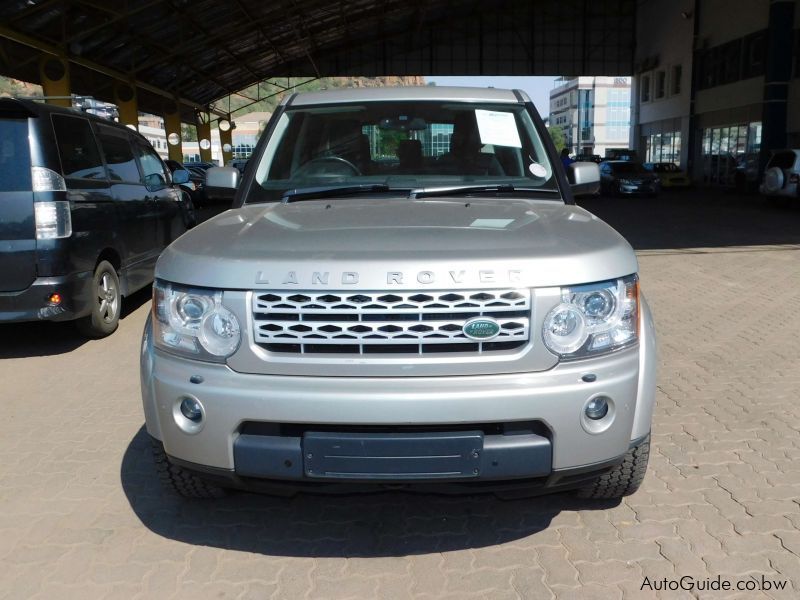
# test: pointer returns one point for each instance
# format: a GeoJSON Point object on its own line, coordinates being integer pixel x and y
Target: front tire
{"type": "Point", "coordinates": [106, 303]}
{"type": "Point", "coordinates": [622, 480]}
{"type": "Point", "coordinates": [181, 481]}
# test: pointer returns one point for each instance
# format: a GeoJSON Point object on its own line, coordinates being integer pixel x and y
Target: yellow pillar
{"type": "Point", "coordinates": [204, 135]}
{"type": "Point", "coordinates": [172, 125]}
{"type": "Point", "coordinates": [125, 99]}
{"type": "Point", "coordinates": [226, 139]}
{"type": "Point", "coordinates": [54, 75]}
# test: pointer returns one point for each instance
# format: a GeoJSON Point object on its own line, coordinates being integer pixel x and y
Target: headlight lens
{"type": "Point", "coordinates": [594, 319]}
{"type": "Point", "coordinates": [193, 322]}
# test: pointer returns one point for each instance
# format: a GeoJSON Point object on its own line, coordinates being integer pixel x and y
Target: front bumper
{"type": "Point", "coordinates": [553, 400]}
{"type": "Point", "coordinates": [31, 304]}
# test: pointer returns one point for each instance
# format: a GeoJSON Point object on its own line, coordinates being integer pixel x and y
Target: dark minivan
{"type": "Point", "coordinates": [86, 207]}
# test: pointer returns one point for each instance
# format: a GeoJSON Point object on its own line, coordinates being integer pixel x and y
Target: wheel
{"type": "Point", "coordinates": [774, 179]}
{"type": "Point", "coordinates": [181, 481]}
{"type": "Point", "coordinates": [106, 303]}
{"type": "Point", "coordinates": [622, 480]}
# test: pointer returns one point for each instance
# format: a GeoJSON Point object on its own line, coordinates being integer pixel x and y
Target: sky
{"type": "Point", "coordinates": [538, 88]}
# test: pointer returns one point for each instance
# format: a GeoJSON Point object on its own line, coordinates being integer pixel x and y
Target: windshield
{"type": "Point", "coordinates": [627, 168]}
{"type": "Point", "coordinates": [403, 145]}
{"type": "Point", "coordinates": [665, 168]}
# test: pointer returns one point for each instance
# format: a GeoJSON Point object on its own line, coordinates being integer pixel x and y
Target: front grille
{"type": "Point", "coordinates": [387, 323]}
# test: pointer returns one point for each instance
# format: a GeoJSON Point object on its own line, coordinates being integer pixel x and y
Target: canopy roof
{"type": "Point", "coordinates": [201, 50]}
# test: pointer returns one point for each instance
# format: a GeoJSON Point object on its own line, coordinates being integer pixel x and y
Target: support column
{"type": "Point", "coordinates": [226, 139]}
{"type": "Point", "coordinates": [126, 101]}
{"type": "Point", "coordinates": [54, 75]}
{"type": "Point", "coordinates": [172, 125]}
{"type": "Point", "coordinates": [778, 73]}
{"type": "Point", "coordinates": [204, 135]}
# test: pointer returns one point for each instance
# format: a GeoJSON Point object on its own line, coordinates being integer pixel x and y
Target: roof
{"type": "Point", "coordinates": [428, 92]}
{"type": "Point", "coordinates": [40, 109]}
{"type": "Point", "coordinates": [194, 52]}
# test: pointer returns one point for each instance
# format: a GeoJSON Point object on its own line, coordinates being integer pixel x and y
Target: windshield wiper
{"type": "Point", "coordinates": [460, 190]}
{"type": "Point", "coordinates": [332, 191]}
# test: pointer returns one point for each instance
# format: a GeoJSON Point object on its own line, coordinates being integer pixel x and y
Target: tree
{"type": "Point", "coordinates": [557, 134]}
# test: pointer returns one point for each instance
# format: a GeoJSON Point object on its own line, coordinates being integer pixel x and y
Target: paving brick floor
{"type": "Point", "coordinates": [82, 514]}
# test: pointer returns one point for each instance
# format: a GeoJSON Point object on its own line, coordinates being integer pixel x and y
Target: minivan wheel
{"type": "Point", "coordinates": [622, 480]}
{"type": "Point", "coordinates": [181, 481]}
{"type": "Point", "coordinates": [106, 303]}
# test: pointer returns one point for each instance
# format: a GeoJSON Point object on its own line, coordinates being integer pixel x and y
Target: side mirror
{"type": "Point", "coordinates": [584, 178]}
{"type": "Point", "coordinates": [154, 182]}
{"type": "Point", "coordinates": [180, 176]}
{"type": "Point", "coordinates": [221, 182]}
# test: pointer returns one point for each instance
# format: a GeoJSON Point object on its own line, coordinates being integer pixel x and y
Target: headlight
{"type": "Point", "coordinates": [192, 322]}
{"type": "Point", "coordinates": [594, 319]}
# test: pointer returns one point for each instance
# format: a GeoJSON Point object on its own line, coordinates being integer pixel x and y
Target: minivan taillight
{"type": "Point", "coordinates": [53, 220]}
{"type": "Point", "coordinates": [45, 180]}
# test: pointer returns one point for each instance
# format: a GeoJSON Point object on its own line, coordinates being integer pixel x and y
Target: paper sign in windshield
{"type": "Point", "coordinates": [497, 128]}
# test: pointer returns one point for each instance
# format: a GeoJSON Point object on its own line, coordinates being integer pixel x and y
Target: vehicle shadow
{"type": "Point", "coordinates": [698, 218]}
{"type": "Point", "coordinates": [45, 338]}
{"type": "Point", "coordinates": [382, 524]}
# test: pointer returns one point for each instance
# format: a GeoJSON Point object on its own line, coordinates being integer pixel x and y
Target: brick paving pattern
{"type": "Point", "coordinates": [82, 514]}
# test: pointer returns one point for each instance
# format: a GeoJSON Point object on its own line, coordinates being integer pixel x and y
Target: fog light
{"type": "Point", "coordinates": [54, 299]}
{"type": "Point", "coordinates": [191, 409]}
{"type": "Point", "coordinates": [597, 408]}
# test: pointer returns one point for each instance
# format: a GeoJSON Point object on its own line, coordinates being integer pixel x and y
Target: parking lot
{"type": "Point", "coordinates": [83, 515]}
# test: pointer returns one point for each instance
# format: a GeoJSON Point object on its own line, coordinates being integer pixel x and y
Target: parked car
{"type": "Point", "coordinates": [669, 174]}
{"type": "Point", "coordinates": [239, 164]}
{"type": "Point", "coordinates": [191, 192]}
{"type": "Point", "coordinates": [627, 178]}
{"type": "Point", "coordinates": [86, 207]}
{"type": "Point", "coordinates": [782, 175]}
{"type": "Point", "coordinates": [452, 321]}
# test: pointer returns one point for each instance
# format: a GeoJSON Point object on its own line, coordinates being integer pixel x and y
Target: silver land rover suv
{"type": "Point", "coordinates": [403, 295]}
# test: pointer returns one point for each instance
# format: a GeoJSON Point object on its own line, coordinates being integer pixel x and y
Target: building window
{"type": "Point", "coordinates": [661, 84]}
{"type": "Point", "coordinates": [730, 154]}
{"type": "Point", "coordinates": [645, 88]}
{"type": "Point", "coordinates": [663, 147]}
{"type": "Point", "coordinates": [677, 73]}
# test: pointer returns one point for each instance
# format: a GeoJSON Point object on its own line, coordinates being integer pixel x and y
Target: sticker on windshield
{"type": "Point", "coordinates": [497, 128]}
{"type": "Point", "coordinates": [537, 170]}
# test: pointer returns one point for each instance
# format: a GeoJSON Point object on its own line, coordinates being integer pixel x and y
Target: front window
{"type": "Point", "coordinates": [405, 146]}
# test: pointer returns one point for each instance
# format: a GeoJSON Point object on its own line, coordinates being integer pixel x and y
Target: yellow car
{"type": "Point", "coordinates": [670, 174]}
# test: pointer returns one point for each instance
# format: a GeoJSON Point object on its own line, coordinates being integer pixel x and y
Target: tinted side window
{"type": "Point", "coordinates": [119, 156]}
{"type": "Point", "coordinates": [152, 167]}
{"type": "Point", "coordinates": [15, 156]}
{"type": "Point", "coordinates": [784, 160]}
{"type": "Point", "coordinates": [77, 148]}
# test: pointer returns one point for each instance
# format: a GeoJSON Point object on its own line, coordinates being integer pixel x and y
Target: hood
{"type": "Point", "coordinates": [379, 243]}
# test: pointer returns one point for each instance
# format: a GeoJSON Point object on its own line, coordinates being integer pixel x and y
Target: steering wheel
{"type": "Point", "coordinates": [316, 166]}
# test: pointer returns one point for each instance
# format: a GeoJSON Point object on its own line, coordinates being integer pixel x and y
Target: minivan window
{"type": "Point", "coordinates": [77, 148]}
{"type": "Point", "coordinates": [152, 167]}
{"type": "Point", "coordinates": [119, 156]}
{"type": "Point", "coordinates": [783, 160]}
{"type": "Point", "coordinates": [15, 156]}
